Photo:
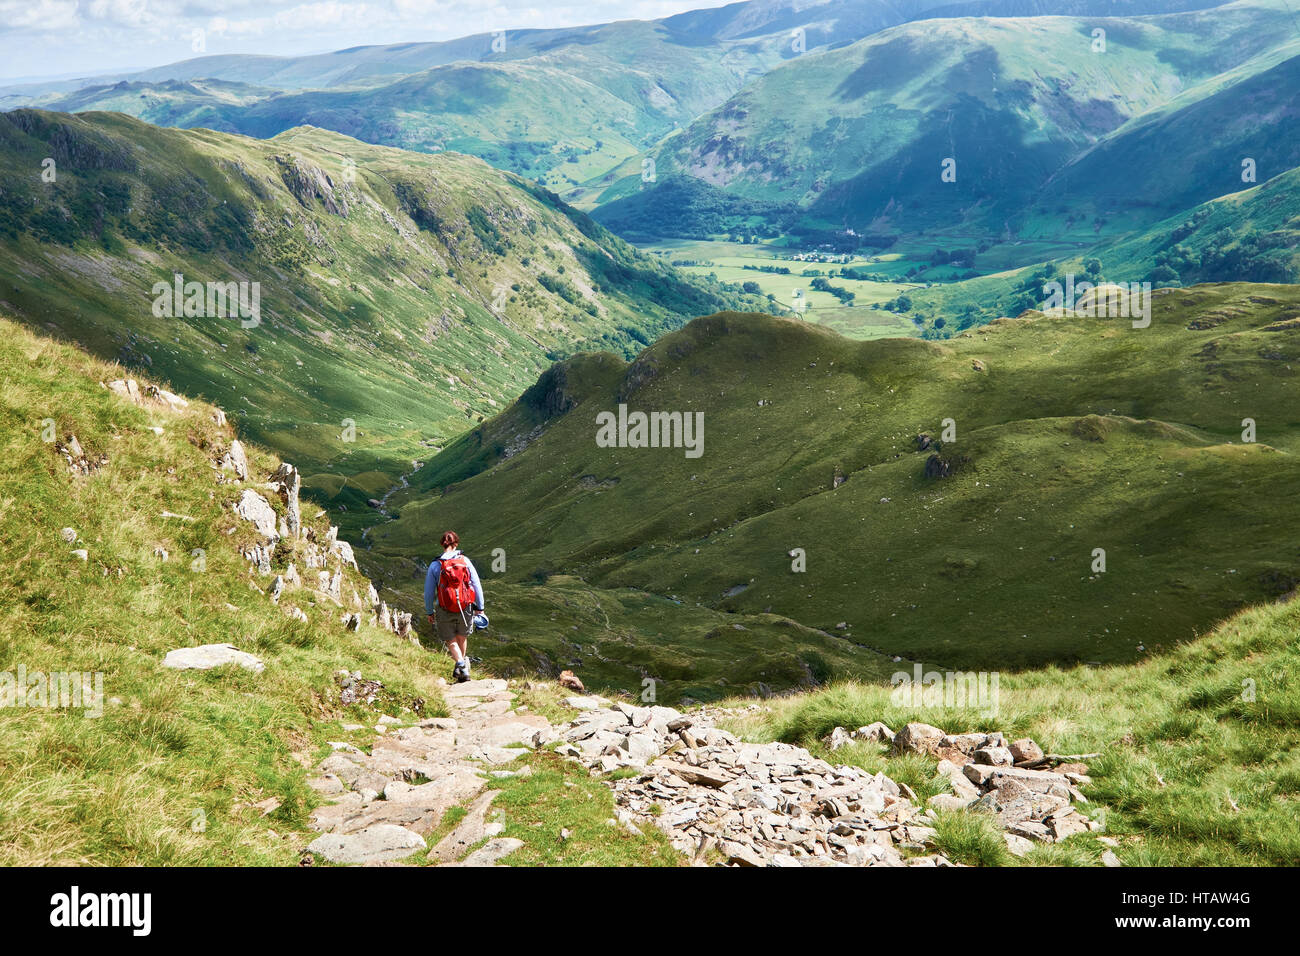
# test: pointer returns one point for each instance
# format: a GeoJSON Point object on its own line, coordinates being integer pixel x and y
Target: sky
{"type": "Point", "coordinates": [53, 38]}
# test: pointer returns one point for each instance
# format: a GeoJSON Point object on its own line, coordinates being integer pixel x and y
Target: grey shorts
{"type": "Point", "coordinates": [450, 625]}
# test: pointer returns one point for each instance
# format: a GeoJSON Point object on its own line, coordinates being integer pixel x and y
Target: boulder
{"type": "Point", "coordinates": [918, 738]}
{"type": "Point", "coordinates": [235, 459]}
{"type": "Point", "coordinates": [993, 756]}
{"type": "Point", "coordinates": [1026, 751]}
{"type": "Point", "coordinates": [874, 731]}
{"type": "Point", "coordinates": [837, 738]}
{"type": "Point", "coordinates": [209, 656]}
{"type": "Point", "coordinates": [570, 680]}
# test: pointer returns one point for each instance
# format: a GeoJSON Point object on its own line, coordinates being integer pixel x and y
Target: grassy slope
{"type": "Point", "coordinates": [1191, 149]}
{"type": "Point", "coordinates": [439, 295]}
{"type": "Point", "coordinates": [1084, 434]}
{"type": "Point", "coordinates": [1200, 760]}
{"type": "Point", "coordinates": [1194, 773]}
{"type": "Point", "coordinates": [124, 788]}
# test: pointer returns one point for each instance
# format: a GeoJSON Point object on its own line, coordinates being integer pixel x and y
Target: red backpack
{"type": "Point", "coordinates": [455, 588]}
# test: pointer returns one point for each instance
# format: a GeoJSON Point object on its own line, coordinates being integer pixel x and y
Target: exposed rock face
{"type": "Point", "coordinates": [330, 585]}
{"type": "Point", "coordinates": [307, 182]}
{"type": "Point", "coordinates": [287, 482]}
{"type": "Point", "coordinates": [253, 507]}
{"type": "Point", "coordinates": [235, 459]}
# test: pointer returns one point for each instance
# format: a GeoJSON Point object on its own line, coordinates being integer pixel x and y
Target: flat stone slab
{"type": "Point", "coordinates": [492, 851]}
{"type": "Point", "coordinates": [469, 831]}
{"type": "Point", "coordinates": [208, 656]}
{"type": "Point", "coordinates": [474, 688]}
{"type": "Point", "coordinates": [376, 844]}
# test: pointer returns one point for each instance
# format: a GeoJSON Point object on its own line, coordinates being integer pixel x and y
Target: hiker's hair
{"type": "Point", "coordinates": [450, 539]}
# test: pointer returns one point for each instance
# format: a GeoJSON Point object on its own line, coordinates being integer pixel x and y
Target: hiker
{"type": "Point", "coordinates": [453, 599]}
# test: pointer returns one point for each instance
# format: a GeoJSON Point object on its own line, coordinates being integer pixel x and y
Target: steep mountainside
{"type": "Point", "coordinates": [975, 548]}
{"type": "Point", "coordinates": [856, 138]}
{"type": "Point", "coordinates": [400, 296]}
{"type": "Point", "coordinates": [119, 544]}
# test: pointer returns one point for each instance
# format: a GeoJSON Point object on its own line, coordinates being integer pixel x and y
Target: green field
{"type": "Point", "coordinates": [727, 261]}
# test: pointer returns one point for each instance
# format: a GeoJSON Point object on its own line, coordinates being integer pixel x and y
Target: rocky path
{"type": "Point", "coordinates": [385, 803]}
{"type": "Point", "coordinates": [718, 799]}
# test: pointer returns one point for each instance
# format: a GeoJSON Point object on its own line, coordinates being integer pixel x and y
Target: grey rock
{"type": "Point", "coordinates": [254, 508]}
{"type": "Point", "coordinates": [492, 851]}
{"type": "Point", "coordinates": [1025, 750]}
{"type": "Point", "coordinates": [209, 656]}
{"type": "Point", "coordinates": [376, 844]}
{"type": "Point", "coordinates": [918, 738]}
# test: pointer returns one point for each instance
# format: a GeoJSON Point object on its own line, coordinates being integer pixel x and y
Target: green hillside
{"type": "Point", "coordinates": [1249, 235]}
{"type": "Point", "coordinates": [168, 769]}
{"type": "Point", "coordinates": [402, 296]}
{"type": "Point", "coordinates": [1072, 434]}
{"type": "Point", "coordinates": [1192, 149]}
{"type": "Point", "coordinates": [1197, 744]}
{"type": "Point", "coordinates": [855, 137]}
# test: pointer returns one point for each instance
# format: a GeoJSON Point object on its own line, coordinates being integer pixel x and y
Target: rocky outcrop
{"type": "Point", "coordinates": [235, 459]}
{"type": "Point", "coordinates": [309, 182]}
{"type": "Point", "coordinates": [78, 461]}
{"type": "Point", "coordinates": [287, 482]}
{"type": "Point", "coordinates": [253, 508]}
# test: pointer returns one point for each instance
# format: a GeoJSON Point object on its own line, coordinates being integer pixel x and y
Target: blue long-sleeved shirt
{"type": "Point", "coordinates": [431, 582]}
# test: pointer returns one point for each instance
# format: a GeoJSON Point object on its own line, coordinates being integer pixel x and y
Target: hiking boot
{"type": "Point", "coordinates": [465, 668]}
{"type": "Point", "coordinates": [461, 671]}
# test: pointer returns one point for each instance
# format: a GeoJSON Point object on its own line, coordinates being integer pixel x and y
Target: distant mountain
{"type": "Point", "coordinates": [856, 138]}
{"type": "Point", "coordinates": [563, 105]}
{"type": "Point", "coordinates": [407, 294]}
{"type": "Point", "coordinates": [813, 499]}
